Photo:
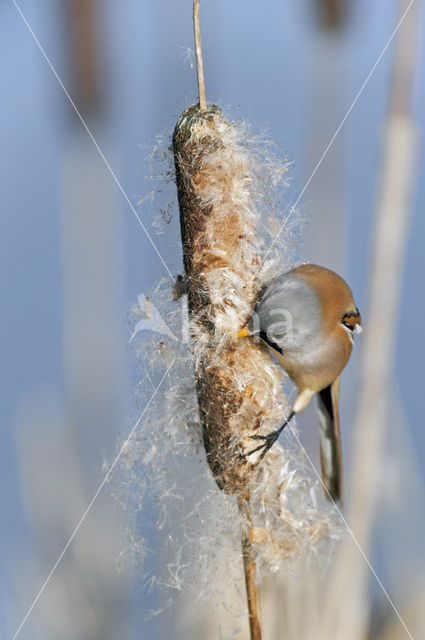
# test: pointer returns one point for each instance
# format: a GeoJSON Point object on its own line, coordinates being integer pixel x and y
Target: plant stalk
{"type": "Point", "coordinates": [250, 571]}
{"type": "Point", "coordinates": [198, 53]}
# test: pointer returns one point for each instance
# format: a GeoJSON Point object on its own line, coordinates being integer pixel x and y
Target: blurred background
{"type": "Point", "coordinates": [74, 257]}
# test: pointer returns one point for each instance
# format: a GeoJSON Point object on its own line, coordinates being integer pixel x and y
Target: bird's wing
{"type": "Point", "coordinates": [330, 441]}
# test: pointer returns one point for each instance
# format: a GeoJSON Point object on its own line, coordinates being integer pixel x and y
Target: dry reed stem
{"type": "Point", "coordinates": [250, 570]}
{"type": "Point", "coordinates": [199, 58]}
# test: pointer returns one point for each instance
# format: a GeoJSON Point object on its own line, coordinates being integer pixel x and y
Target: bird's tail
{"type": "Point", "coordinates": [330, 441]}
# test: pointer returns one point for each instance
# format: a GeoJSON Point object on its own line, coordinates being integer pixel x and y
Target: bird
{"type": "Point", "coordinates": [308, 318]}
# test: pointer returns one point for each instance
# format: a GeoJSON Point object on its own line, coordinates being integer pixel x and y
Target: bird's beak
{"type": "Point", "coordinates": [244, 332]}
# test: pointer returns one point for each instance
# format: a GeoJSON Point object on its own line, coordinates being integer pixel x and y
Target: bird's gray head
{"type": "Point", "coordinates": [288, 314]}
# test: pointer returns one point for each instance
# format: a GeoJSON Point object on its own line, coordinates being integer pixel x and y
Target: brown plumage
{"type": "Point", "coordinates": [308, 318]}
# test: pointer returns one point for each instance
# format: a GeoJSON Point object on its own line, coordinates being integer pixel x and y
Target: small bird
{"type": "Point", "coordinates": [308, 318]}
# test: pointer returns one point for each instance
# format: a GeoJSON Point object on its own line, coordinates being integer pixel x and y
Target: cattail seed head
{"type": "Point", "coordinates": [237, 384]}
{"type": "Point", "coordinates": [220, 389]}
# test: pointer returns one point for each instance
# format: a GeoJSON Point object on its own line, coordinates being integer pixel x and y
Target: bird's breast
{"type": "Point", "coordinates": [318, 363]}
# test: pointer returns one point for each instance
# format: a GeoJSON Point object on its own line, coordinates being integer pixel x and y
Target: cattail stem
{"type": "Point", "coordinates": [250, 571]}
{"type": "Point", "coordinates": [198, 53]}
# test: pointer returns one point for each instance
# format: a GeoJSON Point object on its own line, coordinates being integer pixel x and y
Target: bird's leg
{"type": "Point", "coordinates": [270, 438]}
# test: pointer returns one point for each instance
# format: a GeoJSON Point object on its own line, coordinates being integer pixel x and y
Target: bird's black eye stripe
{"type": "Point", "coordinates": [263, 335]}
{"type": "Point", "coordinates": [350, 314]}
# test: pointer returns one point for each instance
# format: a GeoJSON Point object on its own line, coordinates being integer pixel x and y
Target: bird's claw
{"type": "Point", "coordinates": [269, 441]}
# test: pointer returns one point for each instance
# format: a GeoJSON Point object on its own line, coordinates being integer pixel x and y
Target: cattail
{"type": "Point", "coordinates": [219, 390]}
{"type": "Point", "coordinates": [221, 258]}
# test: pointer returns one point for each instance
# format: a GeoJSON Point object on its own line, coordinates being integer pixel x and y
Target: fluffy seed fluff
{"type": "Point", "coordinates": [219, 390]}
